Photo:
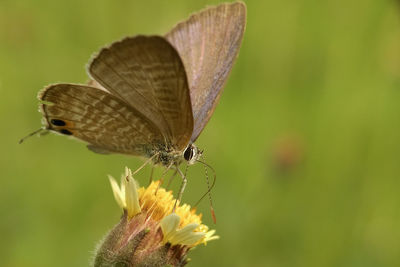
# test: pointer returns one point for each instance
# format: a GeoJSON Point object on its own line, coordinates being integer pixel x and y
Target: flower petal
{"type": "Point", "coordinates": [122, 183]}
{"type": "Point", "coordinates": [119, 197]}
{"type": "Point", "coordinates": [188, 239]}
{"type": "Point", "coordinates": [188, 228]}
{"type": "Point", "coordinates": [210, 236]}
{"type": "Point", "coordinates": [169, 224]}
{"type": "Point", "coordinates": [131, 195]}
{"type": "Point", "coordinates": [183, 234]}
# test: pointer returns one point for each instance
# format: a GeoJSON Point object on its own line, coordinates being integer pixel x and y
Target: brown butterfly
{"type": "Point", "coordinates": [151, 96]}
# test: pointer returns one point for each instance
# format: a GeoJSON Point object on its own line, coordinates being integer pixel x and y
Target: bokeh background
{"type": "Point", "coordinates": [305, 140]}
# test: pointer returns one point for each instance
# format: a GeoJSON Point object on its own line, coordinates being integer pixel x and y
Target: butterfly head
{"type": "Point", "coordinates": [192, 153]}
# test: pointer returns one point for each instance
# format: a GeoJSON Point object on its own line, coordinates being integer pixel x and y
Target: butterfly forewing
{"type": "Point", "coordinates": [98, 118]}
{"type": "Point", "coordinates": [208, 43]}
{"type": "Point", "coordinates": [147, 73]}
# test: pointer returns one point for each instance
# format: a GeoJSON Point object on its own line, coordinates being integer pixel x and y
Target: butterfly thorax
{"type": "Point", "coordinates": [168, 158]}
{"type": "Point", "coordinates": [166, 155]}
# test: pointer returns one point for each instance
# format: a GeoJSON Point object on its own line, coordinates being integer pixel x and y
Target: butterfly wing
{"type": "Point", "coordinates": [90, 114]}
{"type": "Point", "coordinates": [208, 43]}
{"type": "Point", "coordinates": [147, 73]}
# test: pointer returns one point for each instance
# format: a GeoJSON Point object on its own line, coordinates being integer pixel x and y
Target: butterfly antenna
{"type": "Point", "coordinates": [32, 134]}
{"type": "Point", "coordinates": [183, 185]}
{"type": "Point", "coordinates": [209, 189]}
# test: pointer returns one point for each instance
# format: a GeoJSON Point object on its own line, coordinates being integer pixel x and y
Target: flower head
{"type": "Point", "coordinates": [149, 233]}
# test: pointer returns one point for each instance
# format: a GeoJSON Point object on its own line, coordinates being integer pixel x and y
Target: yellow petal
{"type": "Point", "coordinates": [169, 224]}
{"type": "Point", "coordinates": [122, 183]}
{"type": "Point", "coordinates": [131, 195]}
{"type": "Point", "coordinates": [183, 234]}
{"type": "Point", "coordinates": [188, 228]}
{"type": "Point", "coordinates": [210, 236]}
{"type": "Point", "coordinates": [119, 197]}
{"type": "Point", "coordinates": [188, 239]}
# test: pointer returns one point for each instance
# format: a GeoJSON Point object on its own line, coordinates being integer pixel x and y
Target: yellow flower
{"type": "Point", "coordinates": [149, 233]}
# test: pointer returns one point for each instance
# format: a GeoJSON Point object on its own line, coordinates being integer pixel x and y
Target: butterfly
{"type": "Point", "coordinates": [151, 96]}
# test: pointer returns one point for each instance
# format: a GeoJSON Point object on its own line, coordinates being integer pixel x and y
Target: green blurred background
{"type": "Point", "coordinates": [305, 140]}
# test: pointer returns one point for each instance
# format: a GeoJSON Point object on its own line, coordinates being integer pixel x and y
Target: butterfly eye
{"type": "Point", "coordinates": [188, 154]}
{"type": "Point", "coordinates": [65, 131]}
{"type": "Point", "coordinates": [57, 122]}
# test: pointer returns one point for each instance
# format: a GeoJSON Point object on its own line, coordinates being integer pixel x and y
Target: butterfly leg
{"type": "Point", "coordinates": [162, 177]}
{"type": "Point", "coordinates": [171, 178]}
{"type": "Point", "coordinates": [183, 185]}
{"type": "Point", "coordinates": [144, 164]}
{"type": "Point", "coordinates": [151, 174]}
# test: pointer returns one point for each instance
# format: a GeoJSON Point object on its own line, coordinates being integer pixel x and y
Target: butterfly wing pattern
{"type": "Point", "coordinates": [147, 106]}
{"type": "Point", "coordinates": [151, 94]}
{"type": "Point", "coordinates": [147, 73]}
{"type": "Point", "coordinates": [217, 34]}
{"type": "Point", "coordinates": [107, 123]}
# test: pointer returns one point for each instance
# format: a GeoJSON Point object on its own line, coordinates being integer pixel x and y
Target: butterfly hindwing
{"type": "Point", "coordinates": [98, 118]}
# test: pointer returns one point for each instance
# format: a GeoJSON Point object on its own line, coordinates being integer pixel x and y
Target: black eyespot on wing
{"type": "Point", "coordinates": [65, 131]}
{"type": "Point", "coordinates": [57, 122]}
{"type": "Point", "coordinates": [188, 154]}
